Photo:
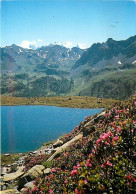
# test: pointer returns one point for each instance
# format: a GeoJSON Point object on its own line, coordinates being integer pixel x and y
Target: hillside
{"type": "Point", "coordinates": [34, 73]}
{"type": "Point", "coordinates": [98, 156]}
{"type": "Point", "coordinates": [105, 70]}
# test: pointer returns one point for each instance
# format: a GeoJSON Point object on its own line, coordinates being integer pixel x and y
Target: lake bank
{"type": "Point", "coordinates": [66, 101]}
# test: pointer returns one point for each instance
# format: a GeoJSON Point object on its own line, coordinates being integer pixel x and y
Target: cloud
{"type": "Point", "coordinates": [81, 46]}
{"type": "Point", "coordinates": [68, 45]}
{"type": "Point", "coordinates": [35, 44]}
{"type": "Point", "coordinates": [30, 44]}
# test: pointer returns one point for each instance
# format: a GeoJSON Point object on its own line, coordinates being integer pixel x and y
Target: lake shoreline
{"type": "Point", "coordinates": [66, 101]}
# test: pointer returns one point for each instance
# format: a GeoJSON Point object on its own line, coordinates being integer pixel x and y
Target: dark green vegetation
{"type": "Point", "coordinates": [102, 161]}
{"type": "Point", "coordinates": [6, 160]}
{"type": "Point", "coordinates": [74, 101]}
{"type": "Point", "coordinates": [113, 84]}
{"type": "Point", "coordinates": [15, 85]}
{"type": "Point", "coordinates": [105, 70]}
{"type": "Point", "coordinates": [41, 72]}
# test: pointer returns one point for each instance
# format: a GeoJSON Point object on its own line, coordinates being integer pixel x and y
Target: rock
{"type": "Point", "coordinates": [35, 171]}
{"type": "Point", "coordinates": [65, 146]}
{"type": "Point", "coordinates": [47, 171]}
{"type": "Point", "coordinates": [90, 123]}
{"type": "Point", "coordinates": [13, 176]}
{"type": "Point", "coordinates": [3, 170]}
{"type": "Point", "coordinates": [58, 143]}
{"type": "Point", "coordinates": [35, 152]}
{"type": "Point", "coordinates": [31, 174]}
{"type": "Point", "coordinates": [29, 185]}
{"type": "Point", "coordinates": [6, 154]}
{"type": "Point", "coordinates": [9, 191]}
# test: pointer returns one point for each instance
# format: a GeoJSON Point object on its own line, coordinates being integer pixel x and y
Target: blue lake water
{"type": "Point", "coordinates": [26, 128]}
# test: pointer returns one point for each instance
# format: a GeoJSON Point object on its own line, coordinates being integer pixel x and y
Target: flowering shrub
{"type": "Point", "coordinates": [103, 161]}
{"type": "Point", "coordinates": [30, 162]}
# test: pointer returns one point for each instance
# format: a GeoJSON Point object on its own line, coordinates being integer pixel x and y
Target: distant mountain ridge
{"type": "Point", "coordinates": [107, 70]}
{"type": "Point", "coordinates": [104, 70]}
{"type": "Point", "coordinates": [123, 50]}
{"type": "Point", "coordinates": [17, 59]}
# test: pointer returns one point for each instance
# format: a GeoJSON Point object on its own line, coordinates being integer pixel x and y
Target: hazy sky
{"type": "Point", "coordinates": [70, 22]}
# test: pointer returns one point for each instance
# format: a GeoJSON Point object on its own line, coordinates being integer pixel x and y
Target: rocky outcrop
{"type": "Point", "coordinates": [89, 127]}
{"type": "Point", "coordinates": [47, 171]}
{"type": "Point", "coordinates": [9, 191]}
{"type": "Point", "coordinates": [13, 176]}
{"type": "Point", "coordinates": [65, 146]}
{"type": "Point", "coordinates": [31, 174]}
{"type": "Point", "coordinates": [58, 143]}
{"type": "Point", "coordinates": [29, 185]}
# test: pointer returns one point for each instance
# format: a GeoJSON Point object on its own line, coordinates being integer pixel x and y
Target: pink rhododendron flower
{"type": "Point", "coordinates": [109, 164]}
{"type": "Point", "coordinates": [85, 181]}
{"type": "Point", "coordinates": [129, 177]}
{"type": "Point", "coordinates": [117, 116]}
{"type": "Point", "coordinates": [77, 192]}
{"type": "Point", "coordinates": [53, 170]}
{"type": "Point", "coordinates": [103, 165]}
{"type": "Point", "coordinates": [110, 133]}
{"type": "Point", "coordinates": [65, 182]}
{"type": "Point", "coordinates": [106, 143]}
{"type": "Point", "coordinates": [115, 138]}
{"type": "Point", "coordinates": [98, 141]}
{"type": "Point", "coordinates": [50, 191]}
{"type": "Point", "coordinates": [74, 172]}
{"type": "Point", "coordinates": [119, 129]}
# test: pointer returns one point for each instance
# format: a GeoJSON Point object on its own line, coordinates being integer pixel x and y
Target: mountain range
{"type": "Point", "coordinates": [104, 70]}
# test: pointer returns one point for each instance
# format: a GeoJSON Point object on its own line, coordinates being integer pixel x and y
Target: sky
{"type": "Point", "coordinates": [38, 23]}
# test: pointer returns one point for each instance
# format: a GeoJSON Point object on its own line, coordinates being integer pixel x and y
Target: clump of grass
{"type": "Point", "coordinates": [7, 160]}
{"type": "Point", "coordinates": [47, 164]}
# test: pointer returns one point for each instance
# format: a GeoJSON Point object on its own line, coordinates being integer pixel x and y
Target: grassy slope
{"type": "Point", "coordinates": [111, 84]}
{"type": "Point", "coordinates": [74, 101]}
